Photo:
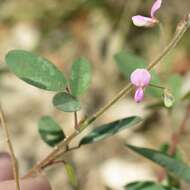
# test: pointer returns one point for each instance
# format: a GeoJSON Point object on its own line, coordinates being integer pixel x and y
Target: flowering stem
{"type": "Point", "coordinates": [60, 148]}
{"type": "Point", "coordinates": [181, 29]}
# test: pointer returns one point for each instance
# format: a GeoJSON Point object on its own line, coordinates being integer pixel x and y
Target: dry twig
{"type": "Point", "coordinates": [11, 151]}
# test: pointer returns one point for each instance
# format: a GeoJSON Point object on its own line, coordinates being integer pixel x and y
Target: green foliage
{"type": "Point", "coordinates": [66, 102]}
{"type": "Point", "coordinates": [176, 167]}
{"type": "Point", "coordinates": [174, 83]}
{"type": "Point", "coordinates": [50, 132]}
{"type": "Point", "coordinates": [147, 185]}
{"type": "Point", "coordinates": [71, 174]}
{"type": "Point", "coordinates": [152, 91]}
{"type": "Point", "coordinates": [80, 77]}
{"type": "Point", "coordinates": [172, 180]}
{"type": "Point", "coordinates": [165, 148]}
{"type": "Point", "coordinates": [35, 70]}
{"type": "Point", "coordinates": [109, 129]}
{"type": "Point", "coordinates": [128, 62]}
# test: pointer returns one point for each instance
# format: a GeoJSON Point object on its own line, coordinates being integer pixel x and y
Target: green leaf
{"type": "Point", "coordinates": [175, 84]}
{"type": "Point", "coordinates": [127, 62]}
{"type": "Point", "coordinates": [71, 174]}
{"type": "Point", "coordinates": [80, 76]}
{"type": "Point", "coordinates": [179, 168]}
{"type": "Point", "coordinates": [165, 148]}
{"type": "Point", "coordinates": [66, 102]}
{"type": "Point", "coordinates": [109, 129]}
{"type": "Point", "coordinates": [172, 180]}
{"type": "Point", "coordinates": [50, 132]}
{"type": "Point", "coordinates": [35, 70]}
{"type": "Point", "coordinates": [147, 185]}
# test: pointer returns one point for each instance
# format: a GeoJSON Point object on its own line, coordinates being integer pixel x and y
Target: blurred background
{"type": "Point", "coordinates": [63, 30]}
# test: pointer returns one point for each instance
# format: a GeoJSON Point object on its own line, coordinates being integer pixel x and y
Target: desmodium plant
{"type": "Point", "coordinates": [41, 73]}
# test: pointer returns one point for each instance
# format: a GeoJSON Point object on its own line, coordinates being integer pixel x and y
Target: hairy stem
{"type": "Point", "coordinates": [11, 151]}
{"type": "Point", "coordinates": [181, 29]}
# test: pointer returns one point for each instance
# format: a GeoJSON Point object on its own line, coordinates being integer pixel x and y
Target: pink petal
{"type": "Point", "coordinates": [139, 95]}
{"type": "Point", "coordinates": [155, 7]}
{"type": "Point", "coordinates": [140, 21]}
{"type": "Point", "coordinates": [140, 77]}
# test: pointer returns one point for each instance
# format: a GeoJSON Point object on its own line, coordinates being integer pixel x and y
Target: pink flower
{"type": "Point", "coordinates": [140, 78]}
{"type": "Point", "coordinates": [139, 20]}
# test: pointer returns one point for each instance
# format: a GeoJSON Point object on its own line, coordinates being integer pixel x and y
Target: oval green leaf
{"type": "Point", "coordinates": [80, 76]}
{"type": "Point", "coordinates": [147, 185]}
{"type": "Point", "coordinates": [36, 70]}
{"type": "Point", "coordinates": [176, 167]}
{"type": "Point", "coordinates": [50, 132]}
{"type": "Point", "coordinates": [66, 102]}
{"type": "Point", "coordinates": [109, 129]}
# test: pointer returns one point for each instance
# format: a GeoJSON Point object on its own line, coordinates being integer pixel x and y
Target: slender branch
{"type": "Point", "coordinates": [66, 151]}
{"type": "Point", "coordinates": [76, 120]}
{"type": "Point", "coordinates": [11, 151]}
{"type": "Point", "coordinates": [53, 163]}
{"type": "Point", "coordinates": [181, 29]}
{"type": "Point", "coordinates": [51, 155]}
{"type": "Point", "coordinates": [126, 90]}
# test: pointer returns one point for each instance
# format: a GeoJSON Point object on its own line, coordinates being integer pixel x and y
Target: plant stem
{"type": "Point", "coordinates": [157, 86]}
{"type": "Point", "coordinates": [126, 90]}
{"type": "Point", "coordinates": [76, 120]}
{"type": "Point", "coordinates": [68, 89]}
{"type": "Point", "coordinates": [11, 151]}
{"type": "Point", "coordinates": [181, 29]}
